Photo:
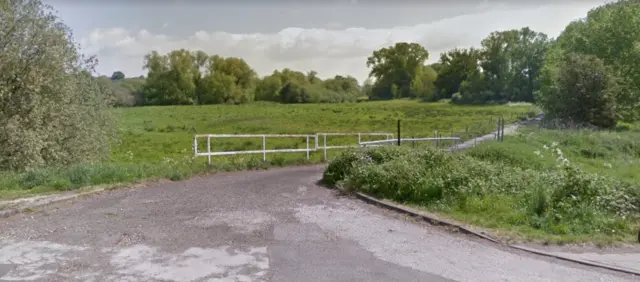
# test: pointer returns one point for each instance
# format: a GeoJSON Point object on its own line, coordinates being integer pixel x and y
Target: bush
{"type": "Point", "coordinates": [60, 116]}
{"type": "Point", "coordinates": [565, 200]}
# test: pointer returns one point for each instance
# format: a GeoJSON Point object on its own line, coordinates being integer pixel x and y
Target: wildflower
{"type": "Point", "coordinates": [130, 155]}
{"type": "Point", "coordinates": [545, 147]}
{"type": "Point", "coordinates": [537, 153]}
{"type": "Point", "coordinates": [607, 165]}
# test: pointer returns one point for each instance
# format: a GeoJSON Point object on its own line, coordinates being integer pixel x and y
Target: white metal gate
{"type": "Point", "coordinates": [208, 153]}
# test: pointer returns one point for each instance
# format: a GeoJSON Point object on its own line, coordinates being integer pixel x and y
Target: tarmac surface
{"type": "Point", "coordinates": [275, 225]}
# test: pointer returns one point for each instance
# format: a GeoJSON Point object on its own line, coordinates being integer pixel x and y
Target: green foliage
{"type": "Point", "coordinates": [53, 111]}
{"type": "Point", "coordinates": [610, 32]}
{"type": "Point", "coordinates": [117, 75]}
{"type": "Point", "coordinates": [582, 91]}
{"type": "Point", "coordinates": [562, 200]}
{"type": "Point", "coordinates": [455, 67]}
{"type": "Point", "coordinates": [183, 77]}
{"type": "Point", "coordinates": [293, 87]}
{"type": "Point", "coordinates": [126, 92]}
{"type": "Point", "coordinates": [400, 72]}
{"type": "Point", "coordinates": [506, 68]}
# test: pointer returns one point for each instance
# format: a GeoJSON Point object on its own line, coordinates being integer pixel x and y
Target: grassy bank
{"type": "Point", "coordinates": [156, 142]}
{"type": "Point", "coordinates": [517, 188]}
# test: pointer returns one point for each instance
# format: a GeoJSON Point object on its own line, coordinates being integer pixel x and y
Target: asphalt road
{"type": "Point", "coordinates": [275, 225]}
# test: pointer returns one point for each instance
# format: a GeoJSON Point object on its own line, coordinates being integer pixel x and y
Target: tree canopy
{"type": "Point", "coordinates": [610, 32]}
{"type": "Point", "coordinates": [52, 110]}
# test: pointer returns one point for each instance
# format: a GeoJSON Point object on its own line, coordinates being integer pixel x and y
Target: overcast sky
{"type": "Point", "coordinates": [331, 37]}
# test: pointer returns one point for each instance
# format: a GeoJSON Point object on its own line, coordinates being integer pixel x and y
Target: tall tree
{"type": "Point", "coordinates": [612, 33]}
{"type": "Point", "coordinates": [395, 68]}
{"type": "Point", "coordinates": [52, 111]}
{"type": "Point", "coordinates": [583, 92]}
{"type": "Point", "coordinates": [510, 61]}
{"type": "Point", "coordinates": [454, 67]}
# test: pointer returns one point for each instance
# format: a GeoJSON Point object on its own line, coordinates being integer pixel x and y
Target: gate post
{"type": "Point", "coordinates": [502, 135]}
{"type": "Point", "coordinates": [325, 146]}
{"type": "Point", "coordinates": [195, 146]}
{"type": "Point", "coordinates": [307, 147]}
{"type": "Point", "coordinates": [264, 148]}
{"type": "Point", "coordinates": [399, 133]}
{"type": "Point", "coordinates": [209, 148]}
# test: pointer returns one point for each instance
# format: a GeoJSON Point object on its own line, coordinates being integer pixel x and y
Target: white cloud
{"type": "Point", "coordinates": [328, 51]}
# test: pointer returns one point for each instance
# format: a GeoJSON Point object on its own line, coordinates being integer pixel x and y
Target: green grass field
{"type": "Point", "coordinates": [154, 133]}
{"type": "Point", "coordinates": [156, 142]}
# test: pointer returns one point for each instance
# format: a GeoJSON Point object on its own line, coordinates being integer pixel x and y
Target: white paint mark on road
{"type": "Point", "coordinates": [435, 251]}
{"type": "Point", "coordinates": [193, 264]}
{"type": "Point", "coordinates": [33, 260]}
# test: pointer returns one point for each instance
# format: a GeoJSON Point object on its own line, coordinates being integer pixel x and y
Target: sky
{"type": "Point", "coordinates": [331, 36]}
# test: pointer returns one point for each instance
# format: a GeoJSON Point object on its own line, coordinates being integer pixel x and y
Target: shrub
{"type": "Point", "coordinates": [565, 200]}
{"type": "Point", "coordinates": [58, 117]}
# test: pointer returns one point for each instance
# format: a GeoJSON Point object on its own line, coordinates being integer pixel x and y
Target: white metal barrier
{"type": "Point", "coordinates": [264, 150]}
{"type": "Point", "coordinates": [387, 136]}
{"type": "Point", "coordinates": [392, 141]}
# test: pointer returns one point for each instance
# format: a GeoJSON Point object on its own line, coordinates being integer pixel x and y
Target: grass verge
{"type": "Point", "coordinates": [48, 180]}
{"type": "Point", "coordinates": [559, 204]}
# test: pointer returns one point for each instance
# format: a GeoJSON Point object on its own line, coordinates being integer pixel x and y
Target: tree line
{"type": "Point", "coordinates": [589, 74]}
{"type": "Point", "coordinates": [54, 111]}
{"type": "Point", "coordinates": [505, 69]}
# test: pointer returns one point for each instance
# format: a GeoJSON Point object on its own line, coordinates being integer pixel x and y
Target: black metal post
{"type": "Point", "coordinates": [502, 135]}
{"type": "Point", "coordinates": [398, 132]}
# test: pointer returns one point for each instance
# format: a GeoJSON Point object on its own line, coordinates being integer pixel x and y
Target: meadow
{"type": "Point", "coordinates": [545, 186]}
{"type": "Point", "coordinates": [156, 142]}
{"type": "Point", "coordinates": [155, 133]}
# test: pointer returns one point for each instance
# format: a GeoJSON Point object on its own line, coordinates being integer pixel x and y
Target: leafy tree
{"type": "Point", "coordinates": [395, 68]}
{"type": "Point", "coordinates": [227, 80]}
{"type": "Point", "coordinates": [367, 87]}
{"type": "Point", "coordinates": [510, 61]}
{"type": "Point", "coordinates": [453, 68]}
{"type": "Point", "coordinates": [612, 33]}
{"type": "Point", "coordinates": [52, 111]}
{"type": "Point", "coordinates": [422, 85]}
{"type": "Point", "coordinates": [117, 75]}
{"type": "Point", "coordinates": [268, 88]}
{"type": "Point", "coordinates": [582, 90]}
{"type": "Point", "coordinates": [182, 77]}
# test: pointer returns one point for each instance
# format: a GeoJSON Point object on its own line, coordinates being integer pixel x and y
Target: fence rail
{"type": "Point", "coordinates": [208, 153]}
{"type": "Point", "coordinates": [409, 140]}
{"type": "Point", "coordinates": [264, 150]}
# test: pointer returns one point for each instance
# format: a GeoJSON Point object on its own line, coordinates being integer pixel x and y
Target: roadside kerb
{"type": "Point", "coordinates": [45, 202]}
{"type": "Point", "coordinates": [482, 235]}
{"type": "Point", "coordinates": [436, 221]}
